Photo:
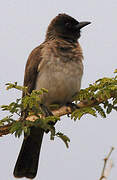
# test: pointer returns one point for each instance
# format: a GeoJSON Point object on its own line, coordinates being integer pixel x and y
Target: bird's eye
{"type": "Point", "coordinates": [68, 25]}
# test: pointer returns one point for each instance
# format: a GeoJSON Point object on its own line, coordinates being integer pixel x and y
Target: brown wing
{"type": "Point", "coordinates": [31, 68]}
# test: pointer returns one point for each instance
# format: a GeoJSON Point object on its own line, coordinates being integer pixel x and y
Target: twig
{"type": "Point", "coordinates": [4, 130]}
{"type": "Point", "coordinates": [105, 171]}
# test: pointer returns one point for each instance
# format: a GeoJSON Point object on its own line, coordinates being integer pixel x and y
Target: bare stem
{"type": "Point", "coordinates": [103, 176]}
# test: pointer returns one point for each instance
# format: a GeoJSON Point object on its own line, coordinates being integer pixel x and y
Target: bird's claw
{"type": "Point", "coordinates": [72, 106]}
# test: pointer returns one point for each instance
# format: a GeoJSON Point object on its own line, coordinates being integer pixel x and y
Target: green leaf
{"type": "Point", "coordinates": [52, 132]}
{"type": "Point", "coordinates": [100, 110]}
{"type": "Point", "coordinates": [13, 107]}
{"type": "Point", "coordinates": [115, 71]}
{"type": "Point", "coordinates": [80, 112]}
{"type": "Point", "coordinates": [64, 138]}
{"type": "Point", "coordinates": [109, 108]}
{"type": "Point", "coordinates": [51, 119]}
{"type": "Point", "coordinates": [16, 128]}
{"type": "Point", "coordinates": [105, 104]}
{"type": "Point", "coordinates": [18, 133]}
{"type": "Point", "coordinates": [115, 102]}
{"type": "Point", "coordinates": [44, 90]}
{"type": "Point", "coordinates": [6, 119]}
{"type": "Point", "coordinates": [21, 88]}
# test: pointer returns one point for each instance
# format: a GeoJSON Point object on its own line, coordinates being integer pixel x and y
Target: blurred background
{"type": "Point", "coordinates": [23, 26]}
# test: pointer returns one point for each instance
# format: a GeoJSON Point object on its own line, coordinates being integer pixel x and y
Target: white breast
{"type": "Point", "coordinates": [61, 79]}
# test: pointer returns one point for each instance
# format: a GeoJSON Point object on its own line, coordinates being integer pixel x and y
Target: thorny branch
{"type": "Point", "coordinates": [64, 110]}
{"type": "Point", "coordinates": [105, 171]}
{"type": "Point", "coordinates": [4, 130]}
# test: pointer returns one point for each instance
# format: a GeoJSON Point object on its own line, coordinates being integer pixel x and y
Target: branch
{"type": "Point", "coordinates": [64, 110]}
{"type": "Point", "coordinates": [105, 170]}
{"type": "Point", "coordinates": [4, 130]}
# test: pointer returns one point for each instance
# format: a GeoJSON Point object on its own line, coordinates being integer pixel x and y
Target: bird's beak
{"type": "Point", "coordinates": [82, 24]}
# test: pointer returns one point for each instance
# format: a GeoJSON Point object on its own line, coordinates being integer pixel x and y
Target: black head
{"type": "Point", "coordinates": [66, 27]}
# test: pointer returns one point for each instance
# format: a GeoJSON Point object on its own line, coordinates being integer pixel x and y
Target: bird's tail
{"type": "Point", "coordinates": [27, 162]}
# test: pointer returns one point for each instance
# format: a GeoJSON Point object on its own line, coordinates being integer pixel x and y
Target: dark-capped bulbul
{"type": "Point", "coordinates": [55, 65]}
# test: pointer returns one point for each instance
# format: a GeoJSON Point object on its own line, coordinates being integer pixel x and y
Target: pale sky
{"type": "Point", "coordinates": [22, 27]}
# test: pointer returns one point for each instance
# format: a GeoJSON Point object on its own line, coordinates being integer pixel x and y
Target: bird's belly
{"type": "Point", "coordinates": [61, 80]}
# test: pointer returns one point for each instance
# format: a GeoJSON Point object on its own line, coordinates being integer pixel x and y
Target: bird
{"type": "Point", "coordinates": [56, 65]}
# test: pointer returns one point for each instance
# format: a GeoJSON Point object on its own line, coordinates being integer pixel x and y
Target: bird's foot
{"type": "Point", "coordinates": [72, 106]}
{"type": "Point", "coordinates": [46, 111]}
